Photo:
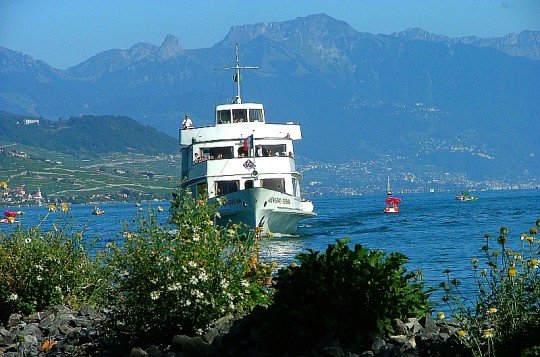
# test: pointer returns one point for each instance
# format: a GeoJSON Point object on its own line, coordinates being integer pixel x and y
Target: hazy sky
{"type": "Point", "coordinates": [65, 33]}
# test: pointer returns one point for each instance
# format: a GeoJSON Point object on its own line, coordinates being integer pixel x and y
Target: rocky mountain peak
{"type": "Point", "coordinates": [416, 33]}
{"type": "Point", "coordinates": [315, 28]}
{"type": "Point", "coordinates": [170, 48]}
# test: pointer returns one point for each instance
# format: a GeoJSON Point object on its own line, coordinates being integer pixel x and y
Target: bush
{"type": "Point", "coordinates": [179, 281]}
{"type": "Point", "coordinates": [505, 317]}
{"type": "Point", "coordinates": [353, 294]}
{"type": "Point", "coordinates": [40, 269]}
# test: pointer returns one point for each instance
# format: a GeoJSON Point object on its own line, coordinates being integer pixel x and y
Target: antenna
{"type": "Point", "coordinates": [237, 77]}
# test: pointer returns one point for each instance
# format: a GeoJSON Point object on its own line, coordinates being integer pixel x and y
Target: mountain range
{"type": "Point", "coordinates": [419, 102]}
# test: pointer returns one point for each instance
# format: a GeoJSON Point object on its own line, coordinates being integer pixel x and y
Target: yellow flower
{"type": "Point", "coordinates": [64, 207]}
{"type": "Point", "coordinates": [461, 333]}
{"type": "Point", "coordinates": [52, 208]}
{"type": "Point", "coordinates": [530, 239]}
{"type": "Point", "coordinates": [512, 272]}
{"type": "Point", "coordinates": [534, 263]}
{"type": "Point", "coordinates": [440, 315]}
{"type": "Point", "coordinates": [488, 333]}
{"type": "Point", "coordinates": [492, 310]}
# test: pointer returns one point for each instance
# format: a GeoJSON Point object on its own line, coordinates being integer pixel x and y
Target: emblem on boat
{"type": "Point", "coordinates": [249, 164]}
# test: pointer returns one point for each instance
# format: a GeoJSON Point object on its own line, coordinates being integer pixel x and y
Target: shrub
{"type": "Point", "coordinates": [39, 269]}
{"type": "Point", "coordinates": [353, 294]}
{"type": "Point", "coordinates": [179, 281]}
{"type": "Point", "coordinates": [505, 317]}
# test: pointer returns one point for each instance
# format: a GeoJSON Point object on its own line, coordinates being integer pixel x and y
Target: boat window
{"type": "Point", "coordinates": [226, 152]}
{"type": "Point", "coordinates": [223, 117]}
{"type": "Point", "coordinates": [239, 115]}
{"type": "Point", "coordinates": [256, 115]}
{"type": "Point", "coordinates": [225, 187]}
{"type": "Point", "coordinates": [242, 152]}
{"type": "Point", "coordinates": [248, 184]}
{"type": "Point", "coordinates": [276, 184]}
{"type": "Point", "coordinates": [274, 150]}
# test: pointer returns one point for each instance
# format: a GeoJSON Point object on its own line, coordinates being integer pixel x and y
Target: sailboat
{"type": "Point", "coordinates": [388, 190]}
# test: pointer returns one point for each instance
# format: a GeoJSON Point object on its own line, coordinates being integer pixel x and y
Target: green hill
{"type": "Point", "coordinates": [86, 135]}
{"type": "Point", "coordinates": [87, 159]}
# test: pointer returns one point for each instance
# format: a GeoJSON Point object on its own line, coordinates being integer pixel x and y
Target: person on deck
{"type": "Point", "coordinates": [187, 123]}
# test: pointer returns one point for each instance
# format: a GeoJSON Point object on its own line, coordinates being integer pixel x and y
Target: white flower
{"type": "Point", "coordinates": [224, 283]}
{"type": "Point", "coordinates": [154, 295]}
{"type": "Point", "coordinates": [192, 264]}
{"type": "Point", "coordinates": [27, 240]}
{"type": "Point", "coordinates": [193, 280]}
{"type": "Point", "coordinates": [174, 287]}
{"type": "Point", "coordinates": [244, 283]}
{"type": "Point", "coordinates": [13, 297]}
{"type": "Point", "coordinates": [203, 276]}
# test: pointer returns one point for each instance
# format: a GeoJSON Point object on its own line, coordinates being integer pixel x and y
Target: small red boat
{"type": "Point", "coordinates": [392, 205]}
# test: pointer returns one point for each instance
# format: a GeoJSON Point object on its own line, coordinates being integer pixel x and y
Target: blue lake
{"type": "Point", "coordinates": [433, 230]}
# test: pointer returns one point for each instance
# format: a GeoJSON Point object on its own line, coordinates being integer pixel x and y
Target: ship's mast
{"type": "Point", "coordinates": [237, 77]}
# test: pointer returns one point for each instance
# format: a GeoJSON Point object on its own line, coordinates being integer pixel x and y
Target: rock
{"type": "Point", "coordinates": [14, 319]}
{"type": "Point", "coordinates": [378, 345]}
{"type": "Point", "coordinates": [400, 328]}
{"type": "Point", "coordinates": [138, 352]}
{"type": "Point", "coordinates": [76, 333]}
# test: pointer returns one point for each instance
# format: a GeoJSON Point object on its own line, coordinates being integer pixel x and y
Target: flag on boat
{"type": "Point", "coordinates": [248, 143]}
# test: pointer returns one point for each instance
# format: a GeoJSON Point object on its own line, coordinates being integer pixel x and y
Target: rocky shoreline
{"type": "Point", "coordinates": [59, 331]}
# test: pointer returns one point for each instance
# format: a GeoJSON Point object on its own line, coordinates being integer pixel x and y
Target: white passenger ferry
{"type": "Point", "coordinates": [248, 162]}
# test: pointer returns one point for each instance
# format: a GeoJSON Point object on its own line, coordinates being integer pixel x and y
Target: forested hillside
{"type": "Point", "coordinates": [86, 135]}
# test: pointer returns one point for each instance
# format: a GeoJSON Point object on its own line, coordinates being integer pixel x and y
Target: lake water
{"type": "Point", "coordinates": [433, 230]}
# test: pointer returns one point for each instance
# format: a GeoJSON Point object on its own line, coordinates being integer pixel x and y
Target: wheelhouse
{"type": "Point", "coordinates": [240, 113]}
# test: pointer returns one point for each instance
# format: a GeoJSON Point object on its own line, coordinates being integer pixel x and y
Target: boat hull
{"type": "Point", "coordinates": [391, 209]}
{"type": "Point", "coordinates": [273, 211]}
